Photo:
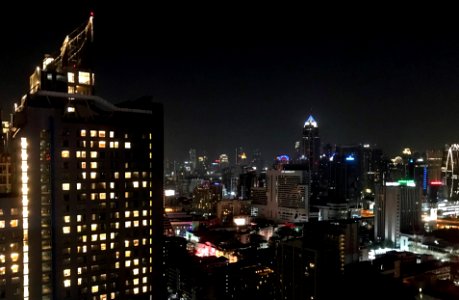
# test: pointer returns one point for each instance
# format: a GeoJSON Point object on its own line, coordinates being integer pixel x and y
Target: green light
{"type": "Point", "coordinates": [407, 182]}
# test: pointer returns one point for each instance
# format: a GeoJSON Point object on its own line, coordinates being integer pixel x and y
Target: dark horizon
{"type": "Point", "coordinates": [231, 79]}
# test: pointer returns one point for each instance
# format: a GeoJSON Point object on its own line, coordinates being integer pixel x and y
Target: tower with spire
{"type": "Point", "coordinates": [310, 144]}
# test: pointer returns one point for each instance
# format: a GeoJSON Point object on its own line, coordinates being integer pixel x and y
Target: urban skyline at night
{"type": "Point", "coordinates": [164, 154]}
{"type": "Point", "coordinates": [252, 81]}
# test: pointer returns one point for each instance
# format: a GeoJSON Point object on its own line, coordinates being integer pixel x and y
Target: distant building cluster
{"type": "Point", "coordinates": [323, 213]}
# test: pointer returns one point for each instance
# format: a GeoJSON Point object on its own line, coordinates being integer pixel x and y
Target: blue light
{"type": "Point", "coordinates": [350, 157]}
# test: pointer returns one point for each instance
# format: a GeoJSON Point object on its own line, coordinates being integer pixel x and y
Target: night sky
{"type": "Point", "coordinates": [238, 77]}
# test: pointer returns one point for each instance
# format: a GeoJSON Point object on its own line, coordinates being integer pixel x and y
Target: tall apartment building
{"type": "Point", "coordinates": [90, 182]}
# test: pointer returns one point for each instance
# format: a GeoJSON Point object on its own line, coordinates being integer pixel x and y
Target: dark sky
{"type": "Point", "coordinates": [231, 76]}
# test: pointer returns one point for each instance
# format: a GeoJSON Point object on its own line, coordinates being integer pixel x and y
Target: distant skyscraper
{"type": "Point", "coordinates": [90, 180]}
{"type": "Point", "coordinates": [397, 209]}
{"type": "Point", "coordinates": [193, 159]}
{"type": "Point", "coordinates": [311, 144]}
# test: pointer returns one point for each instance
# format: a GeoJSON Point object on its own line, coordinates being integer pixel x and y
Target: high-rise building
{"type": "Point", "coordinates": [287, 197]}
{"type": "Point", "coordinates": [90, 181]}
{"type": "Point", "coordinates": [311, 144]}
{"type": "Point", "coordinates": [397, 210]}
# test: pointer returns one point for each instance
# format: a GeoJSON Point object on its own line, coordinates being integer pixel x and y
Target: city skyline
{"type": "Point", "coordinates": [228, 80]}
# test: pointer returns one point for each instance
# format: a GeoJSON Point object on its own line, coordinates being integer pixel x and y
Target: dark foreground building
{"type": "Point", "coordinates": [90, 181]}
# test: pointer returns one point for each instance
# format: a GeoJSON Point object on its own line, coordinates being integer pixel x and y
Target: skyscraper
{"type": "Point", "coordinates": [311, 144]}
{"type": "Point", "coordinates": [90, 180]}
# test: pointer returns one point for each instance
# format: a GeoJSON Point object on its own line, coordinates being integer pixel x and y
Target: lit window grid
{"type": "Point", "coordinates": [25, 216]}
{"type": "Point", "coordinates": [135, 242]}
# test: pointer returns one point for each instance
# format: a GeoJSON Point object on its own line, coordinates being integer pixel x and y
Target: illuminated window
{"type": "Point", "coordinates": [117, 265]}
{"type": "Point", "coordinates": [71, 77]}
{"type": "Point", "coordinates": [79, 281]}
{"type": "Point", "coordinates": [116, 175]}
{"type": "Point", "coordinates": [102, 196]}
{"type": "Point", "coordinates": [83, 165]}
{"type": "Point", "coordinates": [101, 133]}
{"type": "Point", "coordinates": [93, 133]}
{"type": "Point", "coordinates": [66, 229]}
{"type": "Point", "coordinates": [78, 218]}
{"type": "Point", "coordinates": [66, 186]}
{"type": "Point", "coordinates": [103, 236]}
{"type": "Point", "coordinates": [136, 281]}
{"type": "Point", "coordinates": [126, 243]}
{"type": "Point", "coordinates": [79, 228]}
{"type": "Point", "coordinates": [14, 256]}
{"type": "Point", "coordinates": [127, 175]}
{"type": "Point", "coordinates": [93, 175]}
{"type": "Point", "coordinates": [84, 77]}
{"type": "Point", "coordinates": [83, 132]}
{"type": "Point", "coordinates": [94, 289]}
{"type": "Point", "coordinates": [93, 227]}
{"type": "Point", "coordinates": [94, 237]}
{"type": "Point", "coordinates": [67, 219]}
{"type": "Point", "coordinates": [136, 223]}
{"type": "Point", "coordinates": [2, 270]}
{"type": "Point", "coordinates": [14, 223]}
{"type": "Point", "coordinates": [136, 262]}
{"type": "Point", "coordinates": [112, 134]}
{"type": "Point", "coordinates": [101, 144]}
{"type": "Point", "coordinates": [127, 145]}
{"type": "Point", "coordinates": [78, 185]}
{"type": "Point", "coordinates": [136, 243]}
{"type": "Point", "coordinates": [116, 145]}
{"type": "Point", "coordinates": [67, 283]}
{"type": "Point", "coordinates": [2, 224]}
{"type": "Point", "coordinates": [135, 271]}
{"type": "Point", "coordinates": [83, 175]}
{"type": "Point", "coordinates": [127, 253]}
{"type": "Point", "coordinates": [135, 184]}
{"type": "Point", "coordinates": [93, 165]}
{"type": "Point", "coordinates": [144, 279]}
{"type": "Point", "coordinates": [127, 263]}
{"type": "Point", "coordinates": [127, 224]}
{"type": "Point", "coordinates": [65, 154]}
{"type": "Point", "coordinates": [103, 246]}
{"type": "Point", "coordinates": [93, 154]}
{"type": "Point", "coordinates": [66, 272]}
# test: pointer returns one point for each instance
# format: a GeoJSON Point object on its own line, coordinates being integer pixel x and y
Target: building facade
{"type": "Point", "coordinates": [90, 180]}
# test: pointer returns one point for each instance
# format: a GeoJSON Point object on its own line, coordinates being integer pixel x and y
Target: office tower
{"type": "Point", "coordinates": [397, 210]}
{"type": "Point", "coordinates": [311, 144]}
{"type": "Point", "coordinates": [90, 180]}
{"type": "Point", "coordinates": [287, 197]}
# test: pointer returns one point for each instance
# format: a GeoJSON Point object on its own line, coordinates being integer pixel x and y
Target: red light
{"type": "Point", "coordinates": [91, 14]}
{"type": "Point", "coordinates": [436, 182]}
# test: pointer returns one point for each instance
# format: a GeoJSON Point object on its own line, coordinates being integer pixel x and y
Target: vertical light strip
{"type": "Point", "coordinates": [25, 215]}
